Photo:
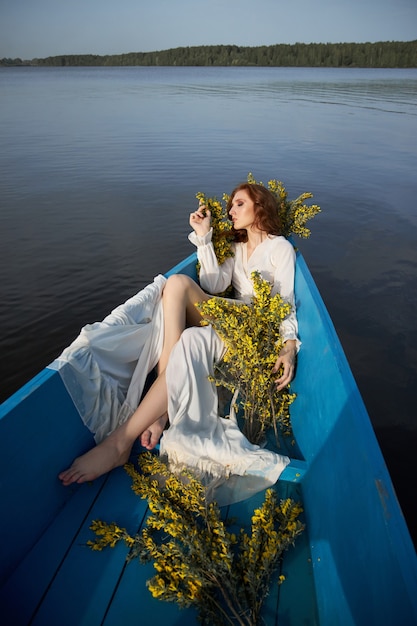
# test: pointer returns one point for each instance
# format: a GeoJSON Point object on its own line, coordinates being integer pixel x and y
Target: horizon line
{"type": "Point", "coordinates": [298, 43]}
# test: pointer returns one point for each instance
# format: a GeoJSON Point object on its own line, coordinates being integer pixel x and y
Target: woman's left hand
{"type": "Point", "coordinates": [286, 361]}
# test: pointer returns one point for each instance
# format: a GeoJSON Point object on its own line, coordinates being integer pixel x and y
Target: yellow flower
{"type": "Point", "coordinates": [196, 560]}
{"type": "Point", "coordinates": [293, 214]}
{"type": "Point", "coordinates": [251, 334]}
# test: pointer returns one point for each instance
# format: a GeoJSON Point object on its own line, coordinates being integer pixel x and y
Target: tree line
{"type": "Point", "coordinates": [387, 54]}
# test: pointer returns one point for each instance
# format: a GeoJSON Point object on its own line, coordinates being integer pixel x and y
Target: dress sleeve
{"type": "Point", "coordinates": [214, 278]}
{"type": "Point", "coordinates": [284, 276]}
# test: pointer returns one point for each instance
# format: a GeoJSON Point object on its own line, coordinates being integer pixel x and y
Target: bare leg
{"type": "Point", "coordinates": [178, 299]}
{"type": "Point", "coordinates": [115, 449]}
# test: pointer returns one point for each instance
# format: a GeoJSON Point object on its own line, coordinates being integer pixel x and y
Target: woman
{"type": "Point", "coordinates": [258, 245]}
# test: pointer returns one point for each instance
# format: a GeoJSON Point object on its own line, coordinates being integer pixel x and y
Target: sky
{"type": "Point", "coordinates": [39, 28]}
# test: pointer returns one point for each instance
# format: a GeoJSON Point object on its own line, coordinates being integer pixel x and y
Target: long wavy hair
{"type": "Point", "coordinates": [266, 211]}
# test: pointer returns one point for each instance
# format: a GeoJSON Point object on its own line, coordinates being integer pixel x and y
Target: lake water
{"type": "Point", "coordinates": [99, 170]}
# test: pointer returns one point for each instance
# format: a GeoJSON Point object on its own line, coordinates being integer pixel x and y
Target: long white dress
{"type": "Point", "coordinates": [105, 370]}
{"type": "Point", "coordinates": [198, 436]}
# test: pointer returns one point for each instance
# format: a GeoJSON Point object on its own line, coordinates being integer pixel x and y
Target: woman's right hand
{"type": "Point", "coordinates": [200, 220]}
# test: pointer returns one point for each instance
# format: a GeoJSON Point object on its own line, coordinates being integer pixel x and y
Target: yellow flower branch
{"type": "Point", "coordinates": [198, 560]}
{"type": "Point", "coordinates": [294, 214]}
{"type": "Point", "coordinates": [251, 334]}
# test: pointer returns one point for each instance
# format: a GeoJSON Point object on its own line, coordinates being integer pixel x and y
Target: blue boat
{"type": "Point", "coordinates": [354, 565]}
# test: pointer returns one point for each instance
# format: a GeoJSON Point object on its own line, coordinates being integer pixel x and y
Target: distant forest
{"type": "Point", "coordinates": [388, 54]}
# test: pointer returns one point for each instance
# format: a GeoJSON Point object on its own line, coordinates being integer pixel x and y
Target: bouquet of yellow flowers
{"type": "Point", "coordinates": [251, 334]}
{"type": "Point", "coordinates": [199, 561]}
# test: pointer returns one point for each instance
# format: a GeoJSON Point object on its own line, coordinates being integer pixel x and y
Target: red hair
{"type": "Point", "coordinates": [266, 210]}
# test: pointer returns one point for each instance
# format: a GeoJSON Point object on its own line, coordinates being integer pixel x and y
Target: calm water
{"type": "Point", "coordinates": [99, 169]}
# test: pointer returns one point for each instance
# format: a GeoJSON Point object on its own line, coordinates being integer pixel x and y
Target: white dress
{"type": "Point", "coordinates": [274, 258]}
{"type": "Point", "coordinates": [105, 370]}
{"type": "Point", "coordinates": [106, 366]}
{"type": "Point", "coordinates": [198, 437]}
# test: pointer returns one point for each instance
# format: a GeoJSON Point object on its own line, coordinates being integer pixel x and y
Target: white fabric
{"type": "Point", "coordinates": [105, 368]}
{"type": "Point", "coordinates": [232, 467]}
{"type": "Point", "coordinates": [274, 258]}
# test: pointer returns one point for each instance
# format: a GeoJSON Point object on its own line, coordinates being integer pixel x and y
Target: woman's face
{"type": "Point", "coordinates": [242, 212]}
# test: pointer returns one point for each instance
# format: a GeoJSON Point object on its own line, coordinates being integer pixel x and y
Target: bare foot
{"type": "Point", "coordinates": [151, 436]}
{"type": "Point", "coordinates": [95, 463]}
